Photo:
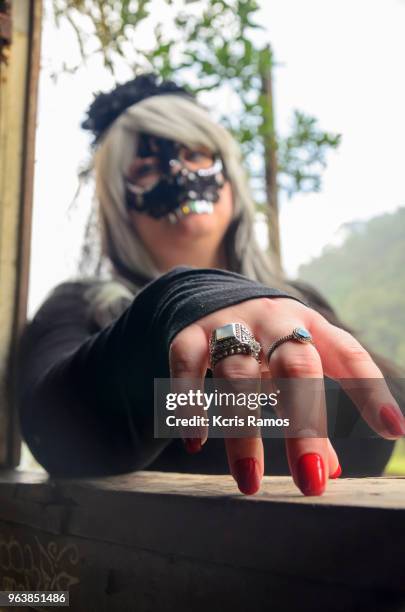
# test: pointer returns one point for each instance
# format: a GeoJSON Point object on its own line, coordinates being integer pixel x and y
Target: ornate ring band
{"type": "Point", "coordinates": [299, 334]}
{"type": "Point", "coordinates": [232, 339]}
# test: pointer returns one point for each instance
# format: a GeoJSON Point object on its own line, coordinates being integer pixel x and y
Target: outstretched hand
{"type": "Point", "coordinates": [335, 354]}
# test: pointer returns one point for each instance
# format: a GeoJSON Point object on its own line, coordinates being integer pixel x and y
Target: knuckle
{"type": "Point", "coordinates": [237, 367]}
{"type": "Point", "coordinates": [356, 353]}
{"type": "Point", "coordinates": [304, 432]}
{"type": "Point", "coordinates": [181, 368]}
{"type": "Point", "coordinates": [268, 304]}
{"type": "Point", "coordinates": [300, 364]}
{"type": "Point", "coordinates": [300, 369]}
{"type": "Point", "coordinates": [266, 309]}
{"type": "Point", "coordinates": [350, 348]}
{"type": "Point", "coordinates": [317, 318]}
{"type": "Point", "coordinates": [277, 304]}
{"type": "Point", "coordinates": [181, 363]}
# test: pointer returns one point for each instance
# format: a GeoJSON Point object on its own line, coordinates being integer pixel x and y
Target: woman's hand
{"type": "Point", "coordinates": [335, 354]}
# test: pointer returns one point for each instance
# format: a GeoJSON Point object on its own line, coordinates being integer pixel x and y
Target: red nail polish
{"type": "Point", "coordinates": [392, 421]}
{"type": "Point", "coordinates": [336, 473]}
{"type": "Point", "coordinates": [311, 474]}
{"type": "Point", "coordinates": [247, 475]}
{"type": "Point", "coordinates": [192, 445]}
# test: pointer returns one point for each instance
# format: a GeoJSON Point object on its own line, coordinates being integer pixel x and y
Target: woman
{"type": "Point", "coordinates": [176, 223]}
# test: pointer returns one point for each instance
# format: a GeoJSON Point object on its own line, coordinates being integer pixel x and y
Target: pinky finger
{"type": "Point", "coordinates": [352, 366]}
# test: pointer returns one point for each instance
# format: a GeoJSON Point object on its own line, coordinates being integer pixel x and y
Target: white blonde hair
{"type": "Point", "coordinates": [177, 118]}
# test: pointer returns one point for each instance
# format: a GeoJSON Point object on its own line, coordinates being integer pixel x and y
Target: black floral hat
{"type": "Point", "coordinates": [106, 107]}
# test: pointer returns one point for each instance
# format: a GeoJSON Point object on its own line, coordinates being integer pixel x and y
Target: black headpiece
{"type": "Point", "coordinates": [106, 107]}
{"type": "Point", "coordinates": [197, 191]}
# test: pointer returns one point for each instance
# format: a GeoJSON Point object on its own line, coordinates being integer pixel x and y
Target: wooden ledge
{"type": "Point", "coordinates": [181, 534]}
{"type": "Point", "coordinates": [383, 492]}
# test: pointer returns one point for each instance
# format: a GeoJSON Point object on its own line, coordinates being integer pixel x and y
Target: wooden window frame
{"type": "Point", "coordinates": [19, 77]}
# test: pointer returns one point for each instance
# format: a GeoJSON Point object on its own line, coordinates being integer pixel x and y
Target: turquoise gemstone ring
{"type": "Point", "coordinates": [299, 334]}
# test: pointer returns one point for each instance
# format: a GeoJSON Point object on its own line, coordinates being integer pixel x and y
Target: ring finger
{"type": "Point", "coordinates": [299, 370]}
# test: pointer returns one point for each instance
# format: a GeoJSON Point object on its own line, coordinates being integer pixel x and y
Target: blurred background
{"type": "Point", "coordinates": [313, 91]}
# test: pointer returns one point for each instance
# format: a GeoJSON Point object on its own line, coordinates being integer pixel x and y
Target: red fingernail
{"type": "Point", "coordinates": [192, 445]}
{"type": "Point", "coordinates": [337, 473]}
{"type": "Point", "coordinates": [311, 474]}
{"type": "Point", "coordinates": [392, 421]}
{"type": "Point", "coordinates": [247, 475]}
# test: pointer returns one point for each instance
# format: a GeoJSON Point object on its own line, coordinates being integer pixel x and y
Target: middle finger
{"type": "Point", "coordinates": [245, 455]}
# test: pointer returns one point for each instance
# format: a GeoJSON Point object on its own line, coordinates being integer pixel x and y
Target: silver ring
{"type": "Point", "coordinates": [299, 334]}
{"type": "Point", "coordinates": [232, 339]}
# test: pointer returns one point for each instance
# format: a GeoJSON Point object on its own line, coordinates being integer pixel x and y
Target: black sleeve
{"type": "Point", "coordinates": [86, 399]}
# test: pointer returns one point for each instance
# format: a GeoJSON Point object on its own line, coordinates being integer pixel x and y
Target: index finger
{"type": "Point", "coordinates": [188, 363]}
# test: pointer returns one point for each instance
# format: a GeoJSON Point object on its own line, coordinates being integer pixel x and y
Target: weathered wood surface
{"type": "Point", "coordinates": [155, 541]}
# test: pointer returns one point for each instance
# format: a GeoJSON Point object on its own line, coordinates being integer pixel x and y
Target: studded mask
{"type": "Point", "coordinates": [179, 191]}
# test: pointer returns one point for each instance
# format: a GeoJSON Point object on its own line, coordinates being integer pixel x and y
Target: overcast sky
{"type": "Point", "coordinates": [342, 61]}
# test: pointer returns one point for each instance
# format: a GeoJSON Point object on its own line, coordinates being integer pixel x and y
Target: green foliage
{"type": "Point", "coordinates": [214, 41]}
{"type": "Point", "coordinates": [111, 22]}
{"type": "Point", "coordinates": [302, 155]}
{"type": "Point", "coordinates": [364, 279]}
